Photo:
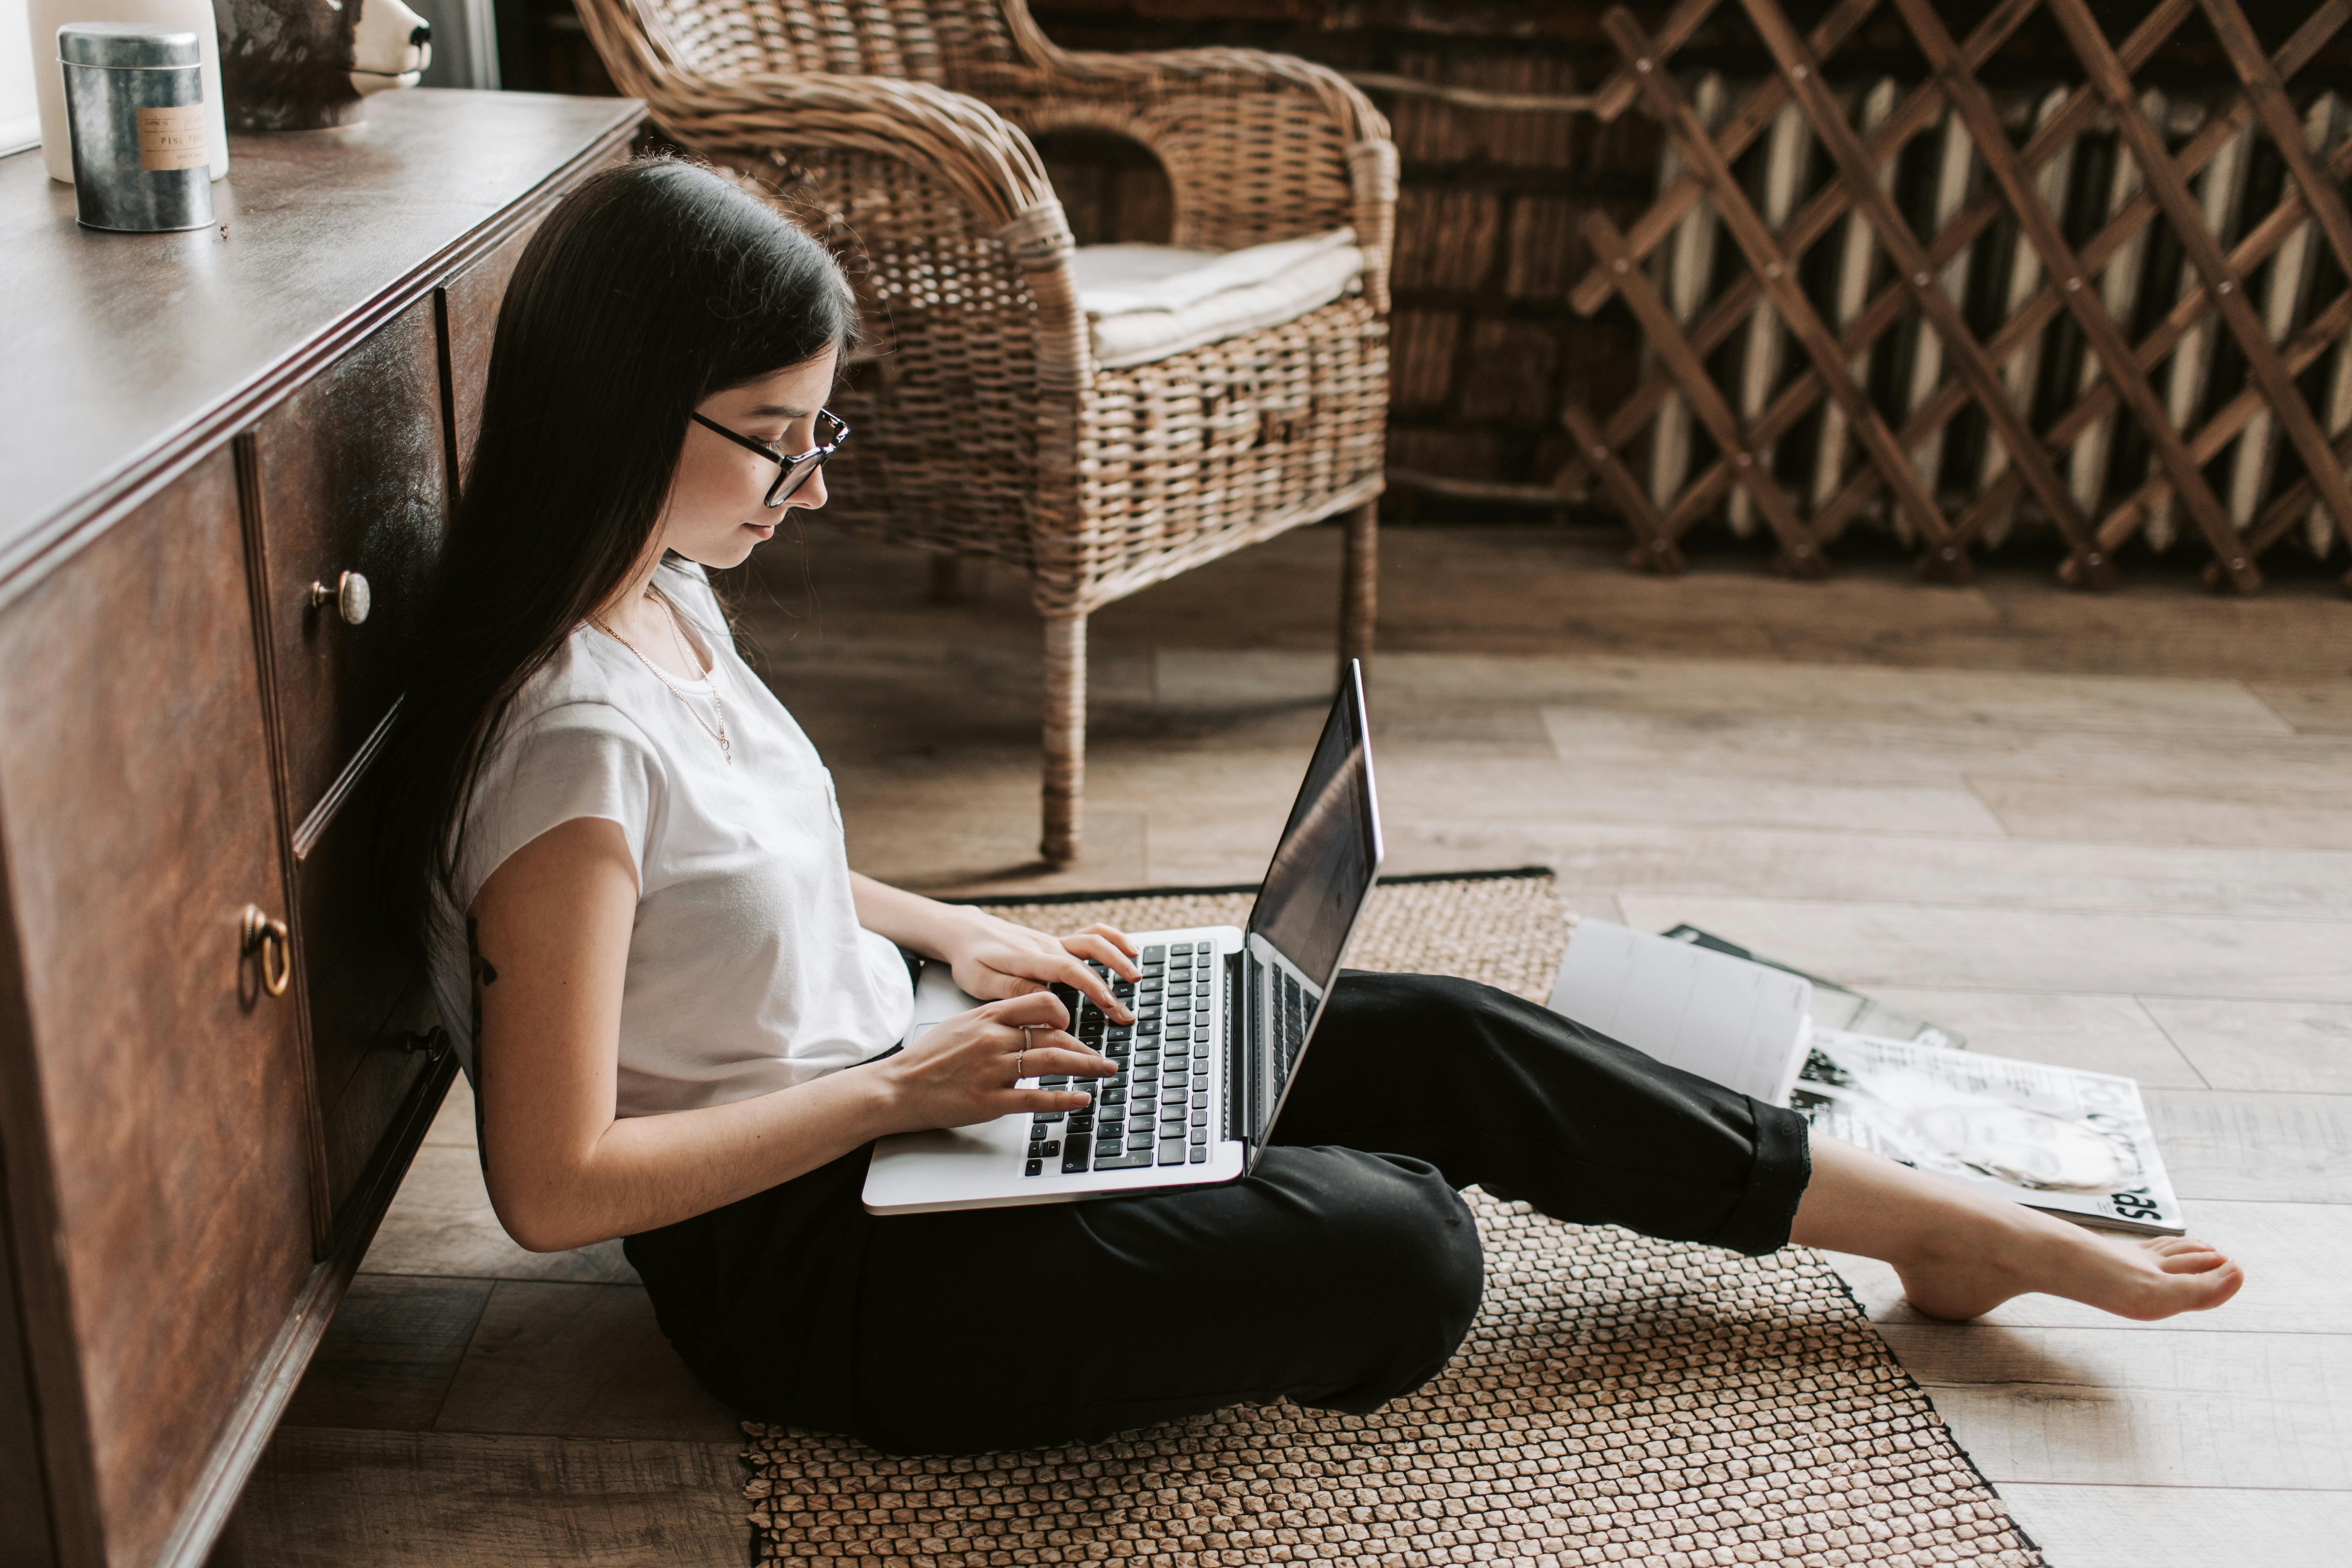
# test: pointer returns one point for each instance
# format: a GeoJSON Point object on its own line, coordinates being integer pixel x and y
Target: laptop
{"type": "Point", "coordinates": [1223, 1015]}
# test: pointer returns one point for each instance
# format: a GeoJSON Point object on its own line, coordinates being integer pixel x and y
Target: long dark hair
{"type": "Point", "coordinates": [651, 287]}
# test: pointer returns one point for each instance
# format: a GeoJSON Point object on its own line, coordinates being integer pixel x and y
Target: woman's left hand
{"type": "Point", "coordinates": [993, 959]}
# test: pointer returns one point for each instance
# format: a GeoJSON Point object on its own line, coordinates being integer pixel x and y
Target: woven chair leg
{"type": "Point", "coordinates": [946, 585]}
{"type": "Point", "coordinates": [1360, 585]}
{"type": "Point", "coordinates": [1066, 736]}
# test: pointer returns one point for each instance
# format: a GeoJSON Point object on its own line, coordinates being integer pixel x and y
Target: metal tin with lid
{"type": "Point", "coordinates": [141, 138]}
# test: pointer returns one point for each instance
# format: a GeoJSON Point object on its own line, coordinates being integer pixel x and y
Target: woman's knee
{"type": "Point", "coordinates": [1399, 1215]}
{"type": "Point", "coordinates": [1389, 1259]}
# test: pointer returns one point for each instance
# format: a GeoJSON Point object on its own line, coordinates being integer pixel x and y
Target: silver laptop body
{"type": "Point", "coordinates": [1224, 1014]}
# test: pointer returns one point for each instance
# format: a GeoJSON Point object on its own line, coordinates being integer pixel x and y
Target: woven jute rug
{"type": "Point", "coordinates": [1619, 1400]}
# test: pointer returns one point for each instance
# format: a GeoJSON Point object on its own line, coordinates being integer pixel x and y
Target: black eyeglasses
{"type": "Point", "coordinates": [793, 469]}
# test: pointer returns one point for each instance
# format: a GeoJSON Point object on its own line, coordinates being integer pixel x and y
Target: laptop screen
{"type": "Point", "coordinates": [1330, 850]}
{"type": "Point", "coordinates": [1322, 871]}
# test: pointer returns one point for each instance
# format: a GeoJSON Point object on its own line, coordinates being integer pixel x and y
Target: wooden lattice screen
{"type": "Point", "coordinates": [1759, 401]}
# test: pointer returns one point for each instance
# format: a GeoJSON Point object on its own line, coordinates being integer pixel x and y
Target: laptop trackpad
{"type": "Point", "coordinates": [1006, 1138]}
{"type": "Point", "coordinates": [937, 998]}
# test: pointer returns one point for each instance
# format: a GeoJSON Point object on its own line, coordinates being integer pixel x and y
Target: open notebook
{"type": "Point", "coordinates": [1740, 1023]}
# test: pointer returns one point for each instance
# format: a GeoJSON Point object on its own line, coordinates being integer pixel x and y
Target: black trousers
{"type": "Point", "coordinates": [1341, 1273]}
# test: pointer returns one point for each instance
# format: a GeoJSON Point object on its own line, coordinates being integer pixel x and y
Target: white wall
{"type": "Point", "coordinates": [20, 119]}
{"type": "Point", "coordinates": [465, 42]}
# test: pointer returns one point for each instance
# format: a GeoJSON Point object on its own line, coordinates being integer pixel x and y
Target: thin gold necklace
{"type": "Point", "coordinates": [725, 747]}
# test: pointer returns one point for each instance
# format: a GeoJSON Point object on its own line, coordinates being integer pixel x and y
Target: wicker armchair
{"type": "Point", "coordinates": [985, 425]}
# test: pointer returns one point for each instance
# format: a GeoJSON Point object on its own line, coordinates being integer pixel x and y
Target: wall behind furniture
{"type": "Point", "coordinates": [20, 119]}
{"type": "Point", "coordinates": [465, 42]}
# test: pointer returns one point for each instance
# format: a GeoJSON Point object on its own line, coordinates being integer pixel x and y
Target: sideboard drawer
{"type": "Point", "coordinates": [353, 488]}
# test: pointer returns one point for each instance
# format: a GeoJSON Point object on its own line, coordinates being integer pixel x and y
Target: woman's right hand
{"type": "Point", "coordinates": [964, 1069]}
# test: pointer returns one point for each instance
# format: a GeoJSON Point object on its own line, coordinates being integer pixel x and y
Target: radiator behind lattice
{"type": "Point", "coordinates": [1937, 176]}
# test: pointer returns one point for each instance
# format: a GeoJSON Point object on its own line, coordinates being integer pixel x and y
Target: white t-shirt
{"type": "Point", "coordinates": [748, 970]}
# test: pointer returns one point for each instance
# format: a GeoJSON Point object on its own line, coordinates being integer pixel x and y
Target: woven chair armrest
{"type": "Point", "coordinates": [1143, 94]}
{"type": "Point", "coordinates": [1172, 73]}
{"type": "Point", "coordinates": [987, 160]}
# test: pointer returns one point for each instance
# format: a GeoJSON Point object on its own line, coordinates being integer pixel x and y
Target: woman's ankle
{"type": "Point", "coordinates": [1862, 1203]}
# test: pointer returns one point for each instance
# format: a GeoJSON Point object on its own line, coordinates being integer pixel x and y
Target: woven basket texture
{"type": "Point", "coordinates": [1618, 1400]}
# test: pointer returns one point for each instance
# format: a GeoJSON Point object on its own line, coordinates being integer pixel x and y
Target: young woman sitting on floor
{"type": "Point", "coordinates": [624, 862]}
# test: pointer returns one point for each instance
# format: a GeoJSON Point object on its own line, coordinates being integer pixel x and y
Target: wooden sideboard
{"type": "Point", "coordinates": [210, 1083]}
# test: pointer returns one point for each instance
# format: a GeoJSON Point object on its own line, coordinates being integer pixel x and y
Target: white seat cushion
{"type": "Point", "coordinates": [1144, 302]}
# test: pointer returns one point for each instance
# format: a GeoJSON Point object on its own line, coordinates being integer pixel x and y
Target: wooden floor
{"type": "Point", "coordinates": [2112, 832]}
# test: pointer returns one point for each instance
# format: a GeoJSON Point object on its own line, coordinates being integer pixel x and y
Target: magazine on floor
{"type": "Point", "coordinates": [2068, 1142]}
{"type": "Point", "coordinates": [2063, 1140]}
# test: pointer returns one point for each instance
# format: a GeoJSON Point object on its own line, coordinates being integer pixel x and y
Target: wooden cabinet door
{"type": "Point", "coordinates": [350, 477]}
{"type": "Point", "coordinates": [139, 822]}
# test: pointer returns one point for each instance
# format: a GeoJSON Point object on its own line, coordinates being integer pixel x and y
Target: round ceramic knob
{"type": "Point", "coordinates": [350, 595]}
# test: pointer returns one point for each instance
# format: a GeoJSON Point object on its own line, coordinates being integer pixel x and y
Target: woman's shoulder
{"type": "Point", "coordinates": [574, 673]}
{"type": "Point", "coordinates": [566, 748]}
{"type": "Point", "coordinates": [581, 687]}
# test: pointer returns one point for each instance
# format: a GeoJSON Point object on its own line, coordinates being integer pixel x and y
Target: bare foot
{"type": "Point", "coordinates": [1962, 1251]}
{"type": "Point", "coordinates": [2018, 1251]}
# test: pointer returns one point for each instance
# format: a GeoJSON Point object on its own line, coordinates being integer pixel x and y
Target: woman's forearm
{"type": "Point", "coordinates": [645, 1172]}
{"type": "Point", "coordinates": [642, 1171]}
{"type": "Point", "coordinates": [551, 938]}
{"type": "Point", "coordinates": [915, 922]}
{"type": "Point", "coordinates": [993, 957]}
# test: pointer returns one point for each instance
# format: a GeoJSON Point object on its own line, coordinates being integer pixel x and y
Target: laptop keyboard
{"type": "Point", "coordinates": [1155, 1110]}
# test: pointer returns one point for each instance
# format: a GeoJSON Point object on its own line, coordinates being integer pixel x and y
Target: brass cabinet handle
{"type": "Point", "coordinates": [351, 595]}
{"type": "Point", "coordinates": [271, 939]}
